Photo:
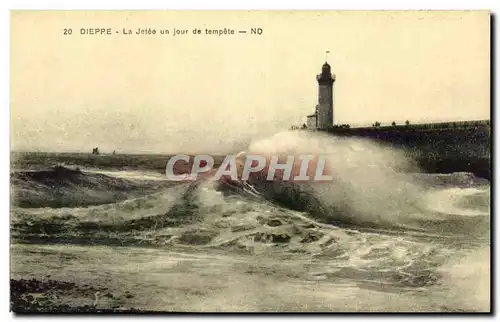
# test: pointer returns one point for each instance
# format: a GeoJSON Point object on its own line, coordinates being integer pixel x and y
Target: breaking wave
{"type": "Point", "coordinates": [378, 222]}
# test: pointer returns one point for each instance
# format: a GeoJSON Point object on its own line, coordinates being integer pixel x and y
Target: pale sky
{"type": "Point", "coordinates": [167, 94]}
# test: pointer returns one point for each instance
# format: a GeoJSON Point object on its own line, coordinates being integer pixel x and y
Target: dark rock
{"type": "Point", "coordinates": [261, 220]}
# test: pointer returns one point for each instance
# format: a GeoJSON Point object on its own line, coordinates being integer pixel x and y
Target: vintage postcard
{"type": "Point", "coordinates": [250, 161]}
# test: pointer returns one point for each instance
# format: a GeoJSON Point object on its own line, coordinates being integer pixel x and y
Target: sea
{"type": "Point", "coordinates": [382, 236]}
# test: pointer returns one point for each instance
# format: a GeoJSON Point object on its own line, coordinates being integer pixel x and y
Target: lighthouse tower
{"type": "Point", "coordinates": [324, 118]}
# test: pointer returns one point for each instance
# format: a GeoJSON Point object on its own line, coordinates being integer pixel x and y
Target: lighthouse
{"type": "Point", "coordinates": [324, 109]}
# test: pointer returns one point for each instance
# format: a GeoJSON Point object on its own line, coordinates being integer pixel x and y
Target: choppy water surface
{"type": "Point", "coordinates": [375, 239]}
